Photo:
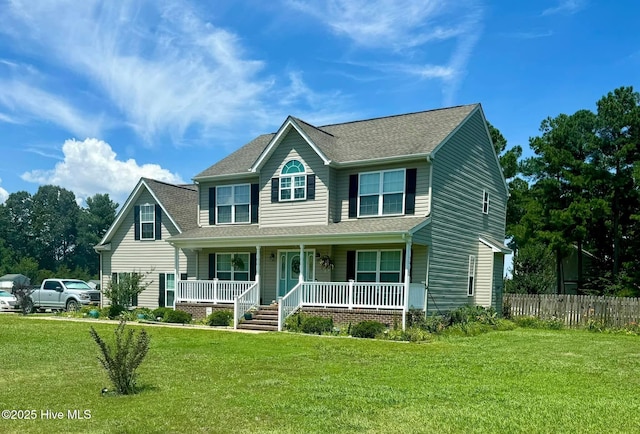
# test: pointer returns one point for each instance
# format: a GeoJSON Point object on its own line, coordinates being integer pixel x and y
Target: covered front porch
{"type": "Point", "coordinates": [356, 271]}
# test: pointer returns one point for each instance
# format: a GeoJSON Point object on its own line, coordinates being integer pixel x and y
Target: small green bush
{"type": "Point", "coordinates": [178, 317]}
{"type": "Point", "coordinates": [367, 329]}
{"type": "Point", "coordinates": [161, 313]}
{"type": "Point", "coordinates": [115, 310]}
{"type": "Point", "coordinates": [122, 360]}
{"type": "Point", "coordinates": [435, 324]}
{"type": "Point", "coordinates": [294, 322]}
{"type": "Point", "coordinates": [467, 314]}
{"type": "Point", "coordinates": [411, 334]}
{"type": "Point", "coordinates": [317, 325]}
{"type": "Point", "coordinates": [220, 318]}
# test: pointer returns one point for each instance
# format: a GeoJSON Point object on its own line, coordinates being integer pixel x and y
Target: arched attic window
{"type": "Point", "coordinates": [293, 181]}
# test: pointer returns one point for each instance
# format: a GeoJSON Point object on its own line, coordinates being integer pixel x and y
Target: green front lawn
{"type": "Point", "coordinates": [216, 381]}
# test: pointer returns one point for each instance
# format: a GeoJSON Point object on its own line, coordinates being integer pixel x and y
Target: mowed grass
{"type": "Point", "coordinates": [215, 381]}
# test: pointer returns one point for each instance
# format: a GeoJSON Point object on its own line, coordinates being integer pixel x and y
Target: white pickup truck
{"type": "Point", "coordinates": [69, 294]}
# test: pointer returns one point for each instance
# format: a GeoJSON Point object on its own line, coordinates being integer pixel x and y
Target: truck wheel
{"type": "Point", "coordinates": [28, 306]}
{"type": "Point", "coordinates": [72, 306]}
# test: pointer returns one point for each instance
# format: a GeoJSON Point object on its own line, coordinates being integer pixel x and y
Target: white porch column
{"type": "Point", "coordinates": [258, 265]}
{"type": "Point", "coordinates": [302, 264]}
{"type": "Point", "coordinates": [407, 278]}
{"type": "Point", "coordinates": [176, 260]}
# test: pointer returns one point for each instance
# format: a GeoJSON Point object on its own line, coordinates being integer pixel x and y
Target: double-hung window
{"type": "Point", "coordinates": [147, 222]}
{"type": "Point", "coordinates": [381, 193]}
{"type": "Point", "coordinates": [293, 181]}
{"type": "Point", "coordinates": [379, 265]}
{"type": "Point", "coordinates": [471, 273]}
{"type": "Point", "coordinates": [233, 203]}
{"type": "Point", "coordinates": [232, 266]}
{"type": "Point", "coordinates": [485, 202]}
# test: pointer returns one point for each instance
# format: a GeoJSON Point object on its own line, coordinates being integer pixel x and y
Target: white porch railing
{"type": "Point", "coordinates": [289, 303]}
{"type": "Point", "coordinates": [350, 295]}
{"type": "Point", "coordinates": [244, 302]}
{"type": "Point", "coordinates": [210, 291]}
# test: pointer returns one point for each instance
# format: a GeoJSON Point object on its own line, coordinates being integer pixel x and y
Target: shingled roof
{"type": "Point", "coordinates": [180, 202]}
{"type": "Point", "coordinates": [378, 138]}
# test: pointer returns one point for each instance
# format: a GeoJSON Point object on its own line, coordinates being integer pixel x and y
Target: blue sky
{"type": "Point", "coordinates": [95, 94]}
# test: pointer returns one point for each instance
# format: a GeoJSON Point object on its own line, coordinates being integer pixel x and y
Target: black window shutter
{"type": "Point", "coordinates": [136, 222]}
{"type": "Point", "coordinates": [255, 194]}
{"type": "Point", "coordinates": [212, 206]}
{"type": "Point", "coordinates": [158, 222]}
{"type": "Point", "coordinates": [311, 187]}
{"type": "Point", "coordinates": [161, 290]}
{"type": "Point", "coordinates": [114, 277]}
{"type": "Point", "coordinates": [252, 266]}
{"type": "Point", "coordinates": [275, 189]}
{"type": "Point", "coordinates": [183, 276]}
{"type": "Point", "coordinates": [410, 198]}
{"type": "Point", "coordinates": [353, 196]}
{"type": "Point", "coordinates": [212, 266]}
{"type": "Point", "coordinates": [351, 265]}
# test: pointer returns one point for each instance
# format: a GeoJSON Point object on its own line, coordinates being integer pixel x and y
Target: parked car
{"type": "Point", "coordinates": [7, 300]}
{"type": "Point", "coordinates": [69, 294]}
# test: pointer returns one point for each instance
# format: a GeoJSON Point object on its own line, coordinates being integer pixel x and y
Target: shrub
{"type": "Point", "coordinates": [367, 329]}
{"type": "Point", "coordinates": [220, 318]}
{"type": "Point", "coordinates": [122, 360]}
{"type": "Point", "coordinates": [317, 325]}
{"type": "Point", "coordinates": [161, 313]}
{"type": "Point", "coordinates": [178, 317]}
{"type": "Point", "coordinates": [435, 323]}
{"type": "Point", "coordinates": [466, 314]}
{"type": "Point", "coordinates": [115, 310]}
{"type": "Point", "coordinates": [294, 322]}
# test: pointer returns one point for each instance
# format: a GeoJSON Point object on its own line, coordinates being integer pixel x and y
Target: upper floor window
{"type": "Point", "coordinates": [378, 265]}
{"type": "Point", "coordinates": [381, 193]}
{"type": "Point", "coordinates": [232, 203]}
{"type": "Point", "coordinates": [485, 202]}
{"type": "Point", "coordinates": [293, 181]}
{"type": "Point", "coordinates": [147, 222]}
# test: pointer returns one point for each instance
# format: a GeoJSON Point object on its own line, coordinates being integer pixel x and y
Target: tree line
{"type": "Point", "coordinates": [48, 234]}
{"type": "Point", "coordinates": [580, 193]}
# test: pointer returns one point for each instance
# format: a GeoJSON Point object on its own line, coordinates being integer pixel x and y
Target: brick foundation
{"type": "Point", "coordinates": [354, 316]}
{"type": "Point", "coordinates": [340, 316]}
{"type": "Point", "coordinates": [199, 310]}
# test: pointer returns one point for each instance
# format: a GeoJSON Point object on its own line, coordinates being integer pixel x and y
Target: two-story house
{"type": "Point", "coordinates": [370, 217]}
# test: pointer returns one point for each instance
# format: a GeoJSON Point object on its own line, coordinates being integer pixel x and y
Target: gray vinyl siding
{"type": "Point", "coordinates": [307, 212]}
{"type": "Point", "coordinates": [464, 167]}
{"type": "Point", "coordinates": [341, 185]}
{"type": "Point", "coordinates": [484, 275]}
{"type": "Point", "coordinates": [149, 256]}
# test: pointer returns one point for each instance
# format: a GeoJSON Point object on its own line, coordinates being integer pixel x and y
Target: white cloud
{"type": "Point", "coordinates": [404, 27]}
{"type": "Point", "coordinates": [4, 194]}
{"type": "Point", "coordinates": [568, 7]}
{"type": "Point", "coordinates": [31, 101]}
{"type": "Point", "coordinates": [91, 167]}
{"type": "Point", "coordinates": [162, 67]}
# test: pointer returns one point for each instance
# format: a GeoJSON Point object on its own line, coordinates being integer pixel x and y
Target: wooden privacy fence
{"type": "Point", "coordinates": [575, 310]}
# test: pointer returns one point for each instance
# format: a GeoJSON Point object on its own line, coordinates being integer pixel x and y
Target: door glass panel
{"type": "Point", "coordinates": [295, 267]}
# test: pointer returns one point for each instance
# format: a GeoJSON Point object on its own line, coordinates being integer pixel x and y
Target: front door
{"type": "Point", "coordinates": [289, 269]}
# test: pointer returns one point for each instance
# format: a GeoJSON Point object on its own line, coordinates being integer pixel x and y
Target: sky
{"type": "Point", "coordinates": [95, 94]}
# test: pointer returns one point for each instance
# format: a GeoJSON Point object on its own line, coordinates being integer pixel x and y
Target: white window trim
{"type": "Point", "coordinates": [381, 193]}
{"type": "Point", "coordinates": [152, 222]}
{"type": "Point", "coordinates": [233, 270]}
{"type": "Point", "coordinates": [485, 202]}
{"type": "Point", "coordinates": [471, 276]}
{"type": "Point", "coordinates": [233, 205]}
{"type": "Point", "coordinates": [378, 258]}
{"type": "Point", "coordinates": [292, 188]}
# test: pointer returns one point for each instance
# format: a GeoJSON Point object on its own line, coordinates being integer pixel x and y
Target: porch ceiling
{"type": "Point", "coordinates": [363, 231]}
